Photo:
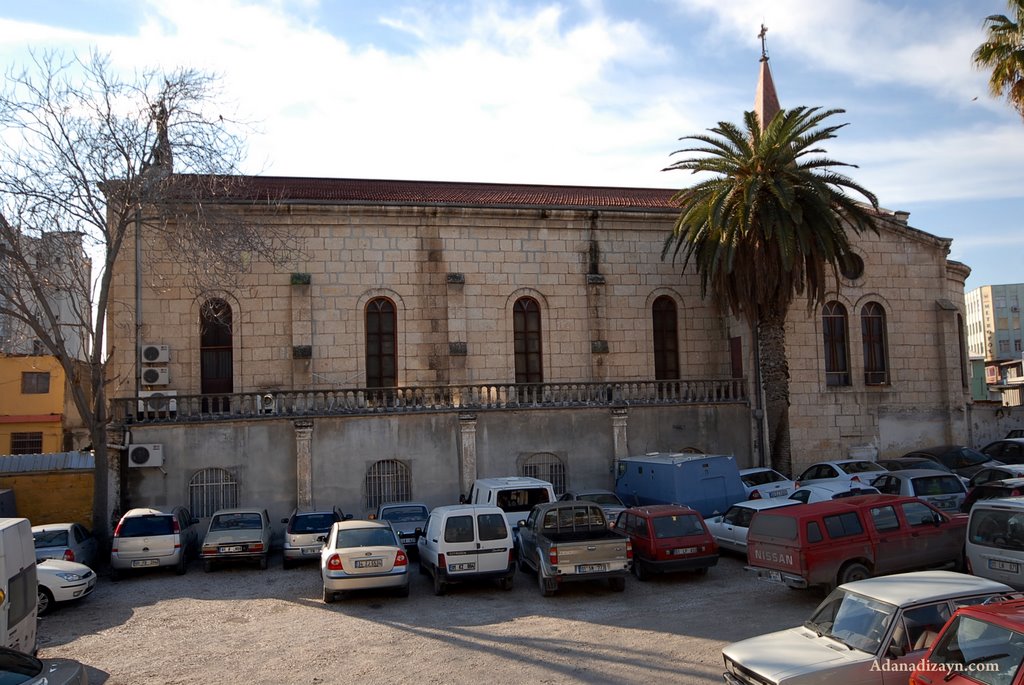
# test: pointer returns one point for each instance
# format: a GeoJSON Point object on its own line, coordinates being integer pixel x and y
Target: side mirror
{"type": "Point", "coordinates": [521, 524]}
{"type": "Point", "coordinates": [371, 517]}
{"type": "Point", "coordinates": [462, 499]}
{"type": "Point", "coordinates": [419, 532]}
{"type": "Point", "coordinates": [348, 517]}
{"type": "Point", "coordinates": [938, 519]}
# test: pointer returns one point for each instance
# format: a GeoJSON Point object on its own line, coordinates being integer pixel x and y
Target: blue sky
{"type": "Point", "coordinates": [585, 92]}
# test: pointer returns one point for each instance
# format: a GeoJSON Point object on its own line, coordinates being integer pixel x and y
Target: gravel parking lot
{"type": "Point", "coordinates": [242, 625]}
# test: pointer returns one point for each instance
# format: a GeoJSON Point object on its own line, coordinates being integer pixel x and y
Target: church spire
{"type": "Point", "coordinates": [766, 101]}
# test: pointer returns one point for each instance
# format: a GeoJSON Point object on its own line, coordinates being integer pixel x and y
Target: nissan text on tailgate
{"type": "Point", "coordinates": [830, 543]}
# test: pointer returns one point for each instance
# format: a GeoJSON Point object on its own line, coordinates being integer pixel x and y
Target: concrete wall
{"type": "Point", "coordinates": [52, 497]}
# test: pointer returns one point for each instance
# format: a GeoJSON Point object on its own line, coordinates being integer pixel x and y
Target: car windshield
{"type": "Point", "coordinates": [145, 526]}
{"type": "Point", "coordinates": [937, 485]}
{"type": "Point", "coordinates": [313, 523]}
{"type": "Point", "coordinates": [857, 621]}
{"type": "Point", "coordinates": [365, 537]}
{"type": "Point", "coordinates": [762, 477]}
{"type": "Point", "coordinates": [677, 526]}
{"type": "Point", "coordinates": [404, 514]}
{"type": "Point", "coordinates": [522, 499]}
{"type": "Point", "coordinates": [861, 467]}
{"type": "Point", "coordinates": [239, 521]}
{"type": "Point", "coordinates": [964, 456]}
{"type": "Point", "coordinates": [969, 642]}
{"type": "Point", "coordinates": [50, 538]}
{"type": "Point", "coordinates": [605, 499]}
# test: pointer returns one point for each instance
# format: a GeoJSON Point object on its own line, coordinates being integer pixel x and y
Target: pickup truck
{"type": "Point", "coordinates": [570, 541]}
{"type": "Point", "coordinates": [835, 542]}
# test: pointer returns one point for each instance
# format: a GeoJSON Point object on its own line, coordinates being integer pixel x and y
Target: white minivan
{"type": "Point", "coordinates": [995, 540]}
{"type": "Point", "coordinates": [514, 495]}
{"type": "Point", "coordinates": [18, 585]}
{"type": "Point", "coordinates": [466, 542]}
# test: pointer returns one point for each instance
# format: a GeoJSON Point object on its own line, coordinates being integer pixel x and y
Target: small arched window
{"type": "Point", "coordinates": [527, 341]}
{"type": "Point", "coordinates": [216, 364]}
{"type": "Point", "coordinates": [837, 350]}
{"type": "Point", "coordinates": [381, 344]}
{"type": "Point", "coordinates": [212, 489]}
{"type": "Point", "coordinates": [666, 339]}
{"type": "Point", "coordinates": [546, 466]}
{"type": "Point", "coordinates": [876, 356]}
{"type": "Point", "coordinates": [388, 480]}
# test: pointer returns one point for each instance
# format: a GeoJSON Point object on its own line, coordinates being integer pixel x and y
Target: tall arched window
{"type": "Point", "coordinates": [381, 344]}
{"type": "Point", "coordinates": [387, 481]}
{"type": "Point", "coordinates": [526, 327]}
{"type": "Point", "coordinates": [837, 350]}
{"type": "Point", "coordinates": [216, 365]}
{"type": "Point", "coordinates": [666, 339]}
{"type": "Point", "coordinates": [212, 489]}
{"type": "Point", "coordinates": [876, 357]}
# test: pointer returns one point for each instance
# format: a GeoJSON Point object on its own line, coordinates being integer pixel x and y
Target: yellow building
{"type": "Point", "coordinates": [37, 414]}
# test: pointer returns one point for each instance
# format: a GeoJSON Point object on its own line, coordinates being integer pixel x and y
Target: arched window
{"type": "Point", "coordinates": [212, 489]}
{"type": "Point", "coordinates": [526, 327]}
{"type": "Point", "coordinates": [666, 339]}
{"type": "Point", "coordinates": [876, 357]}
{"type": "Point", "coordinates": [546, 466]}
{"type": "Point", "coordinates": [837, 351]}
{"type": "Point", "coordinates": [216, 366]}
{"type": "Point", "coordinates": [381, 344]}
{"type": "Point", "coordinates": [387, 481]}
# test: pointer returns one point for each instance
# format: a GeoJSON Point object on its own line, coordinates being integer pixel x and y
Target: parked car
{"type": "Point", "coordinates": [241, 534]}
{"type": "Point", "coordinates": [23, 669]}
{"type": "Point", "coordinates": [963, 461]}
{"type": "Point", "coordinates": [153, 538]}
{"type": "Point", "coordinates": [667, 538]}
{"type": "Point", "coordinates": [836, 542]}
{"type": "Point", "coordinates": [305, 532]}
{"type": "Point", "coordinates": [515, 495]}
{"type": "Point", "coordinates": [1015, 433]}
{"type": "Point", "coordinates": [867, 631]}
{"type": "Point", "coordinates": [992, 473]}
{"type": "Point", "coordinates": [67, 541]}
{"type": "Point", "coordinates": [405, 518]}
{"type": "Point", "coordinates": [941, 489]}
{"type": "Point", "coordinates": [570, 541]}
{"type": "Point", "coordinates": [825, 490]}
{"type": "Point", "coordinates": [1008, 451]}
{"type": "Point", "coordinates": [995, 540]}
{"type": "Point", "coordinates": [730, 529]}
{"type": "Point", "coordinates": [762, 483]}
{"type": "Point", "coordinates": [606, 499]}
{"type": "Point", "coordinates": [979, 644]}
{"type": "Point", "coordinates": [1008, 487]}
{"type": "Point", "coordinates": [854, 470]}
{"type": "Point", "coordinates": [467, 542]}
{"type": "Point", "coordinates": [363, 555]}
{"type": "Point", "coordinates": [905, 463]}
{"type": "Point", "coordinates": [62, 581]}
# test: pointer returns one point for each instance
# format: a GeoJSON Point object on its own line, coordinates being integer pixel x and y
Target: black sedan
{"type": "Point", "coordinates": [963, 461]}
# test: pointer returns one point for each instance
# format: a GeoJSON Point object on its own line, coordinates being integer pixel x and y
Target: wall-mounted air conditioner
{"type": "Point", "coordinates": [141, 456]}
{"type": "Point", "coordinates": [162, 401]}
{"type": "Point", "coordinates": [155, 354]}
{"type": "Point", "coordinates": [155, 375]}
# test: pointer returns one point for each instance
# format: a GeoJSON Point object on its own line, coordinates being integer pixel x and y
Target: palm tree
{"type": "Point", "coordinates": [1003, 53]}
{"type": "Point", "coordinates": [762, 230]}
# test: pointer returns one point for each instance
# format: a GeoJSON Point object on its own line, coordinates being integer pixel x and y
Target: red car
{"type": "Point", "coordinates": [667, 538]}
{"type": "Point", "coordinates": [979, 644]}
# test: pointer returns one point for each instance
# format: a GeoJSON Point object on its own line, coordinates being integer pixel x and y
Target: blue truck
{"type": "Point", "coordinates": [709, 483]}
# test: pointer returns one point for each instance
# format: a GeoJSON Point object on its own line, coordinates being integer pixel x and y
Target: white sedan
{"type": "Point", "coordinates": [363, 555]}
{"type": "Point", "coordinates": [730, 529]}
{"type": "Point", "coordinates": [765, 483]}
{"type": "Point", "coordinates": [825, 490]}
{"type": "Point", "coordinates": [62, 581]}
{"type": "Point", "coordinates": [855, 470]}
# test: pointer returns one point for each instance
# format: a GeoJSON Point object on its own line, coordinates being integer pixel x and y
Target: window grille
{"type": "Point", "coordinates": [210, 490]}
{"type": "Point", "coordinates": [35, 382]}
{"type": "Point", "coordinates": [837, 354]}
{"type": "Point", "coordinates": [27, 443]}
{"type": "Point", "coordinates": [387, 481]}
{"type": "Point", "coordinates": [546, 466]}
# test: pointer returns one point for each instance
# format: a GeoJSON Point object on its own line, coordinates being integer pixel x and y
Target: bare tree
{"type": "Point", "coordinates": [88, 159]}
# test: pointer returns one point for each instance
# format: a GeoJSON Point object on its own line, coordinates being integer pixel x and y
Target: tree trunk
{"type": "Point", "coordinates": [775, 379]}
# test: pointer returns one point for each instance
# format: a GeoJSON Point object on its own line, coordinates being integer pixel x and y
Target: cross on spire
{"type": "Point", "coordinates": [764, 47]}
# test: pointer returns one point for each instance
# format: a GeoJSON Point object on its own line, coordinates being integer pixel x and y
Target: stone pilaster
{"type": "Point", "coordinates": [304, 463]}
{"type": "Point", "coordinates": [620, 422]}
{"type": "Point", "coordinates": [467, 452]}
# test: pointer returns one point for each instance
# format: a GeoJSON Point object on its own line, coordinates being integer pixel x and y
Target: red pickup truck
{"type": "Point", "coordinates": [831, 543]}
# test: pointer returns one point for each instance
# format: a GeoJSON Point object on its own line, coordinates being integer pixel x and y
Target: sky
{"type": "Point", "coordinates": [584, 92]}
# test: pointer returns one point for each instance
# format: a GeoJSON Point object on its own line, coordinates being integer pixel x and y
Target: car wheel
{"type": "Point", "coordinates": [439, 585]}
{"type": "Point", "coordinates": [328, 596]}
{"type": "Point", "coordinates": [179, 568]}
{"type": "Point", "coordinates": [403, 591]}
{"type": "Point", "coordinates": [852, 572]}
{"type": "Point", "coordinates": [286, 564]}
{"type": "Point", "coordinates": [45, 601]}
{"type": "Point", "coordinates": [545, 591]}
{"type": "Point", "coordinates": [423, 567]}
{"type": "Point", "coordinates": [263, 563]}
{"type": "Point", "coordinates": [702, 571]}
{"type": "Point", "coordinates": [507, 582]}
{"type": "Point", "coordinates": [207, 565]}
{"type": "Point", "coordinates": [640, 572]}
{"type": "Point", "coordinates": [617, 584]}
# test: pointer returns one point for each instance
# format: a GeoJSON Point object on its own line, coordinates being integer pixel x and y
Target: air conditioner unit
{"type": "Point", "coordinates": [155, 354]}
{"type": "Point", "coordinates": [141, 456]}
{"type": "Point", "coordinates": [155, 375]}
{"type": "Point", "coordinates": [162, 401]}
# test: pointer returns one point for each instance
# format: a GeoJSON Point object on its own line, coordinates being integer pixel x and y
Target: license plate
{"type": "Point", "coordinates": [467, 566]}
{"type": "Point", "coordinates": [684, 550]}
{"type": "Point", "coordinates": [232, 548]}
{"type": "Point", "coordinates": [311, 550]}
{"type": "Point", "coordinates": [1008, 566]}
{"type": "Point", "coordinates": [142, 563]}
{"type": "Point", "coordinates": [369, 563]}
{"type": "Point", "coordinates": [773, 576]}
{"type": "Point", "coordinates": [591, 568]}
{"type": "Point", "coordinates": [777, 493]}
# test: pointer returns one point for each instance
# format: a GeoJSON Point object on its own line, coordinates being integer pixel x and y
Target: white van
{"type": "Point", "coordinates": [515, 495]}
{"type": "Point", "coordinates": [995, 540]}
{"type": "Point", "coordinates": [466, 542]}
{"type": "Point", "coordinates": [18, 585]}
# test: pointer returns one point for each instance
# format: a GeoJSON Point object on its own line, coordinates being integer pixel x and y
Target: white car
{"type": "Point", "coordinates": [62, 581]}
{"type": "Point", "coordinates": [825, 490]}
{"type": "Point", "coordinates": [764, 483]}
{"type": "Point", "coordinates": [363, 555]}
{"type": "Point", "coordinates": [856, 470]}
{"type": "Point", "coordinates": [867, 631]}
{"type": "Point", "coordinates": [730, 529]}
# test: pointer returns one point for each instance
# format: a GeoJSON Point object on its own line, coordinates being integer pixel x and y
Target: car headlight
{"type": "Point", "coordinates": [70, 577]}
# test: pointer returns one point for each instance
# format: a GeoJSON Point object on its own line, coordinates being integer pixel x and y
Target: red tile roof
{"type": "Point", "coordinates": [442, 193]}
